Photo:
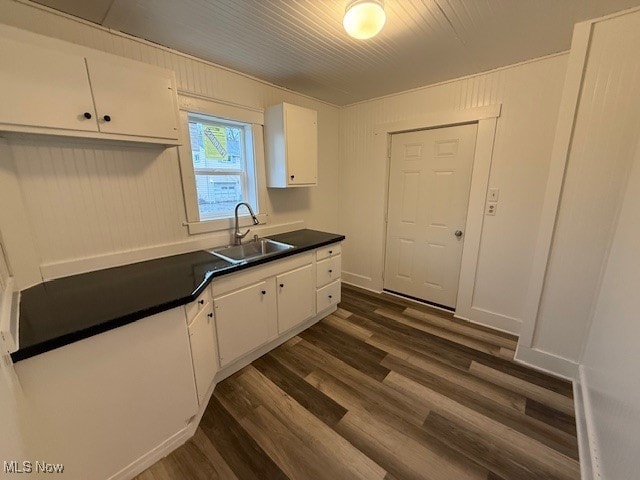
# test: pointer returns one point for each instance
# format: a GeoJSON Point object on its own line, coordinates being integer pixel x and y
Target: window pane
{"type": "Point", "coordinates": [216, 145]}
{"type": "Point", "coordinates": [218, 194]}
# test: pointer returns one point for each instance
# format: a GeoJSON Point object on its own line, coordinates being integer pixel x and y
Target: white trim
{"type": "Point", "coordinates": [220, 224]}
{"type": "Point", "coordinates": [495, 321]}
{"type": "Point", "coordinates": [65, 268]}
{"type": "Point", "coordinates": [254, 120]}
{"type": "Point", "coordinates": [439, 119]}
{"type": "Point", "coordinates": [587, 440]}
{"type": "Point", "coordinates": [220, 108]}
{"type": "Point", "coordinates": [546, 362]}
{"type": "Point", "coordinates": [486, 117]}
{"type": "Point", "coordinates": [559, 156]}
{"type": "Point", "coordinates": [358, 280]}
{"type": "Point", "coordinates": [154, 455]}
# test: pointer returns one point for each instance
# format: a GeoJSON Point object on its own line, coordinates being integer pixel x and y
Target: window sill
{"type": "Point", "coordinates": [221, 224]}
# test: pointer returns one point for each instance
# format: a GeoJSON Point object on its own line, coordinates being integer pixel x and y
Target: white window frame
{"type": "Point", "coordinates": [254, 157]}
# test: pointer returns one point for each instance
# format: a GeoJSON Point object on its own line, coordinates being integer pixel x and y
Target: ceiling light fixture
{"type": "Point", "coordinates": [364, 18]}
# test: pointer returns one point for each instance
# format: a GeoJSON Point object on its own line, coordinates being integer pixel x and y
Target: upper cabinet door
{"type": "Point", "coordinates": [44, 88]}
{"type": "Point", "coordinates": [301, 127]}
{"type": "Point", "coordinates": [139, 102]}
{"type": "Point", "coordinates": [291, 146]}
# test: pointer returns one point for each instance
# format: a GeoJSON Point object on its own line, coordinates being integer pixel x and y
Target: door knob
{"type": "Point", "coordinates": [458, 233]}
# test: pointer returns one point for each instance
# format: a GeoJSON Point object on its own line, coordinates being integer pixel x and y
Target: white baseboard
{"type": "Point", "coordinates": [159, 452]}
{"type": "Point", "coordinates": [486, 318]}
{"type": "Point", "coordinates": [547, 362]}
{"type": "Point", "coordinates": [587, 442]}
{"type": "Point", "coordinates": [360, 281]}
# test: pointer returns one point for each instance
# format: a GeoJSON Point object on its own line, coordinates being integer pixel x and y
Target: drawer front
{"type": "Point", "coordinates": [328, 270]}
{"type": "Point", "coordinates": [328, 296]}
{"type": "Point", "coordinates": [328, 251]}
{"type": "Point", "coordinates": [198, 304]}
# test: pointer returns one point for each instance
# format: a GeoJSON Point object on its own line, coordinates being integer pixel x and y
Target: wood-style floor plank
{"type": "Point", "coordinates": [384, 388]}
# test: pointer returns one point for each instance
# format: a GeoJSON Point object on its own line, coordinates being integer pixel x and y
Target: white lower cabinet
{"type": "Point", "coordinates": [257, 308]}
{"type": "Point", "coordinates": [203, 350]}
{"type": "Point", "coordinates": [245, 319]}
{"type": "Point", "coordinates": [295, 297]}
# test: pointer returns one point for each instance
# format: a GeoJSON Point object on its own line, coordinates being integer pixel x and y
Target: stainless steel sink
{"type": "Point", "coordinates": [253, 250]}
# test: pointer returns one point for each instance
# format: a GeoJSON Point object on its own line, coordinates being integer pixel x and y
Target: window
{"type": "Point", "coordinates": [223, 164]}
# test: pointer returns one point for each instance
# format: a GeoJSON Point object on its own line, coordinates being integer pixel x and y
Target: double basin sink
{"type": "Point", "coordinates": [253, 250]}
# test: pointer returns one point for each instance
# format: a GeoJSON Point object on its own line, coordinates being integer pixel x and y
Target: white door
{"type": "Point", "coordinates": [429, 181]}
{"type": "Point", "coordinates": [301, 125]}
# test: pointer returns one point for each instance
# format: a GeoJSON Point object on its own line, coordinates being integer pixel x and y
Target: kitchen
{"type": "Point", "coordinates": [85, 202]}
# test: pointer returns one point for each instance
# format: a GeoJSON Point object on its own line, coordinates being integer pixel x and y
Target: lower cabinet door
{"type": "Point", "coordinates": [328, 296]}
{"type": "Point", "coordinates": [203, 351]}
{"type": "Point", "coordinates": [295, 297]}
{"type": "Point", "coordinates": [245, 319]}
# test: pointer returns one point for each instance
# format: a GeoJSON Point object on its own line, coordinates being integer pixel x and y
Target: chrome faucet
{"type": "Point", "coordinates": [237, 236]}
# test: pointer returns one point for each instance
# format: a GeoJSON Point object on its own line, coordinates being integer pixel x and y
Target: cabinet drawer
{"type": "Point", "coordinates": [328, 270]}
{"type": "Point", "coordinates": [198, 304]}
{"type": "Point", "coordinates": [328, 251]}
{"type": "Point", "coordinates": [328, 296]}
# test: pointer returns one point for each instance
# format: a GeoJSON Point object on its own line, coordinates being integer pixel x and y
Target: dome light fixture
{"type": "Point", "coordinates": [364, 19]}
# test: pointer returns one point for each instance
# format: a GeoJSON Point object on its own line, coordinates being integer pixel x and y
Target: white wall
{"type": "Point", "coordinates": [530, 96]}
{"type": "Point", "coordinates": [605, 135]}
{"type": "Point", "coordinates": [610, 362]}
{"type": "Point", "coordinates": [92, 199]}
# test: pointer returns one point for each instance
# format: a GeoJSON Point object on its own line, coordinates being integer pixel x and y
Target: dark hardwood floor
{"type": "Point", "coordinates": [388, 389]}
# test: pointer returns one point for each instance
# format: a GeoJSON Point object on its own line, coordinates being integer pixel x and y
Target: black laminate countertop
{"type": "Point", "coordinates": [58, 312]}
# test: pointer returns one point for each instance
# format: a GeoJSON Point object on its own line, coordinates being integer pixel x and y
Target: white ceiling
{"type": "Point", "coordinates": [300, 44]}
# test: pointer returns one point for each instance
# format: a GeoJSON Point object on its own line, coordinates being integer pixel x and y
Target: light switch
{"type": "Point", "coordinates": [494, 195]}
{"type": "Point", "coordinates": [491, 208]}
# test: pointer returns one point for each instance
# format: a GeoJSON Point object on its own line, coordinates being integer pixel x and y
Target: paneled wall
{"type": "Point", "coordinates": [605, 136]}
{"type": "Point", "coordinates": [530, 95]}
{"type": "Point", "coordinates": [610, 363]}
{"type": "Point", "coordinates": [86, 199]}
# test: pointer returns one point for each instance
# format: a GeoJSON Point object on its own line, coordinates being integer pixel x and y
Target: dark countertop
{"type": "Point", "coordinates": [62, 311]}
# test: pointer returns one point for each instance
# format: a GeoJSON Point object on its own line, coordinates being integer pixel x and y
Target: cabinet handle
{"type": "Point", "coordinates": [282, 285]}
{"type": "Point", "coordinates": [330, 252]}
{"type": "Point", "coordinates": [201, 302]}
{"type": "Point", "coordinates": [292, 177]}
{"type": "Point", "coordinates": [264, 292]}
{"type": "Point", "coordinates": [330, 271]}
{"type": "Point", "coordinates": [107, 118]}
{"type": "Point", "coordinates": [210, 315]}
{"type": "Point", "coordinates": [87, 115]}
{"type": "Point", "coordinates": [330, 296]}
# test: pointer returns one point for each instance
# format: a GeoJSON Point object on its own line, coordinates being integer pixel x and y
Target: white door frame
{"type": "Point", "coordinates": [486, 118]}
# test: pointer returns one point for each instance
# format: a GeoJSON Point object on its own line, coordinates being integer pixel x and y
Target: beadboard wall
{"type": "Point", "coordinates": [89, 199]}
{"type": "Point", "coordinates": [530, 96]}
{"type": "Point", "coordinates": [606, 131]}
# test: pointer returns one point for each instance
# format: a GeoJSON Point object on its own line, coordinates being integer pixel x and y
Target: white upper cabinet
{"type": "Point", "coordinates": [84, 93]}
{"type": "Point", "coordinates": [43, 88]}
{"type": "Point", "coordinates": [291, 140]}
{"type": "Point", "coordinates": [137, 102]}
